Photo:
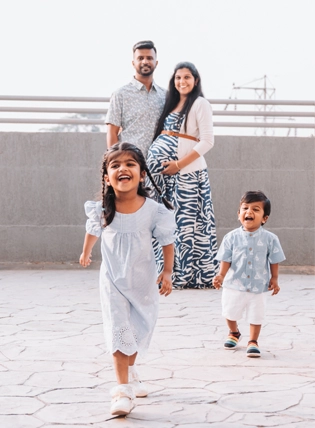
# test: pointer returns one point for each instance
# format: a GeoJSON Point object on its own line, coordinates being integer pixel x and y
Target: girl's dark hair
{"type": "Point", "coordinates": [257, 196]}
{"type": "Point", "coordinates": [172, 96]}
{"type": "Point", "coordinates": [108, 194]}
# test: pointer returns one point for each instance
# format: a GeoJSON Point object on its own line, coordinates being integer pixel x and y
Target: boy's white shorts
{"type": "Point", "coordinates": [235, 303]}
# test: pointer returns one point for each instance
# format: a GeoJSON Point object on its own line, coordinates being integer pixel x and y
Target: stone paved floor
{"type": "Point", "coordinates": [54, 371]}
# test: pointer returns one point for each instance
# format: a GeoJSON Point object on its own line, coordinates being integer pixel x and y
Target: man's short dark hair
{"type": "Point", "coordinates": [144, 44]}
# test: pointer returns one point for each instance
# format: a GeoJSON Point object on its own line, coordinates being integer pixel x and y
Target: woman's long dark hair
{"type": "Point", "coordinates": [108, 194]}
{"type": "Point", "coordinates": [172, 96]}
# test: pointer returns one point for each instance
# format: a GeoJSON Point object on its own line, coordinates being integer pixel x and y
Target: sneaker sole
{"type": "Point", "coordinates": [120, 412]}
{"type": "Point", "coordinates": [229, 349]}
{"type": "Point", "coordinates": [253, 355]}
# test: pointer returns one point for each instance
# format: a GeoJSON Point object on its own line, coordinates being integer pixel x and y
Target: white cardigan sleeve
{"type": "Point", "coordinates": [204, 123]}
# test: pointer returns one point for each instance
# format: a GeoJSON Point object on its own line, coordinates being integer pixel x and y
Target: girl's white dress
{"type": "Point", "coordinates": [129, 293]}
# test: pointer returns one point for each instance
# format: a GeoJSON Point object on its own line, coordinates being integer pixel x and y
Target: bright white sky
{"type": "Point", "coordinates": [84, 47]}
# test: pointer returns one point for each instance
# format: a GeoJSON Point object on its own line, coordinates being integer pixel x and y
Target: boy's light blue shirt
{"type": "Point", "coordinates": [250, 255]}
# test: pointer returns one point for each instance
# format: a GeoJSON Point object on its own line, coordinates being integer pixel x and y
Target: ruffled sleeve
{"type": "Point", "coordinates": [165, 226]}
{"type": "Point", "coordinates": [93, 210]}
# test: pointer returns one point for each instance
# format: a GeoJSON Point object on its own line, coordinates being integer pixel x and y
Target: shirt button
{"type": "Point", "coordinates": [249, 263]}
{"type": "Point", "coordinates": [250, 234]}
{"type": "Point", "coordinates": [250, 249]}
{"type": "Point", "coordinates": [248, 276]}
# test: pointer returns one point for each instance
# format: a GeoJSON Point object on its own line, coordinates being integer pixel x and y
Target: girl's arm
{"type": "Point", "coordinates": [273, 283]}
{"type": "Point", "coordinates": [89, 242]}
{"type": "Point", "coordinates": [165, 276]}
{"type": "Point", "coordinates": [218, 279]}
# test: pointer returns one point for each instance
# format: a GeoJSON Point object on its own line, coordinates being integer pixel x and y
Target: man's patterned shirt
{"type": "Point", "coordinates": [137, 112]}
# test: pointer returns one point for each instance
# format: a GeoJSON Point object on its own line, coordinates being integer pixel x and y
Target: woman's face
{"type": "Point", "coordinates": [184, 81]}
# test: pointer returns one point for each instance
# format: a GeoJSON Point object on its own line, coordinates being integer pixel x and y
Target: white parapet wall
{"type": "Point", "coordinates": [47, 177]}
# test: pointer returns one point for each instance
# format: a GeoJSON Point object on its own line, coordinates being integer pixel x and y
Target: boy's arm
{"type": "Point", "coordinates": [218, 279]}
{"type": "Point", "coordinates": [165, 276]}
{"type": "Point", "coordinates": [273, 283]}
{"type": "Point", "coordinates": [89, 242]}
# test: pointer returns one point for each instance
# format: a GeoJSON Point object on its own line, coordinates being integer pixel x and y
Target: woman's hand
{"type": "Point", "coordinates": [170, 168]}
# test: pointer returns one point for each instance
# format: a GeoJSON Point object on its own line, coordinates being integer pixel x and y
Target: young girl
{"type": "Point", "coordinates": [127, 219]}
{"type": "Point", "coordinates": [176, 160]}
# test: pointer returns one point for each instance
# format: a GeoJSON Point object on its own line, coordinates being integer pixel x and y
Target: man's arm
{"type": "Point", "coordinates": [112, 134]}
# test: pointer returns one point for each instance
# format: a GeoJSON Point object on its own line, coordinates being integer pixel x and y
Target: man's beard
{"type": "Point", "coordinates": [146, 73]}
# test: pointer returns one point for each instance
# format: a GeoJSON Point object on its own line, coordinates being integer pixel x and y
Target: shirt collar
{"type": "Point", "coordinates": [140, 85]}
{"type": "Point", "coordinates": [256, 233]}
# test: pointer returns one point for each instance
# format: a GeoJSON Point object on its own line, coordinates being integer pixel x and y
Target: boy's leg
{"type": "Point", "coordinates": [232, 309]}
{"type": "Point", "coordinates": [234, 335]}
{"type": "Point", "coordinates": [232, 325]}
{"type": "Point", "coordinates": [254, 331]}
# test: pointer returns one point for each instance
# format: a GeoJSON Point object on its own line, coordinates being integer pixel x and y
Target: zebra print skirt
{"type": "Point", "coordinates": [196, 243]}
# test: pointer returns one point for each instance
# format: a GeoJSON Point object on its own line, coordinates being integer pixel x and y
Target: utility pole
{"type": "Point", "coordinates": [261, 93]}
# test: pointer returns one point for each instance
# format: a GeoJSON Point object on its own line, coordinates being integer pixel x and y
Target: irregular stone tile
{"type": "Point", "coordinates": [63, 380]}
{"type": "Point", "coordinates": [90, 367]}
{"type": "Point", "coordinates": [33, 366]}
{"type": "Point", "coordinates": [19, 421]}
{"type": "Point", "coordinates": [74, 395]}
{"type": "Point", "coordinates": [279, 419]}
{"type": "Point", "coordinates": [75, 413]}
{"type": "Point", "coordinates": [262, 402]}
{"type": "Point", "coordinates": [46, 352]}
{"type": "Point", "coordinates": [155, 412]}
{"type": "Point", "coordinates": [212, 374]}
{"type": "Point", "coordinates": [179, 383]}
{"type": "Point", "coordinates": [19, 405]}
{"type": "Point", "coordinates": [261, 383]}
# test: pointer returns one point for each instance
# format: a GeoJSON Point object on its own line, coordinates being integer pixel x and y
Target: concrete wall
{"type": "Point", "coordinates": [47, 177]}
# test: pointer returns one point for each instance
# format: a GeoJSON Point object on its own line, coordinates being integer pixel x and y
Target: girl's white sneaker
{"type": "Point", "coordinates": [140, 388]}
{"type": "Point", "coordinates": [122, 400]}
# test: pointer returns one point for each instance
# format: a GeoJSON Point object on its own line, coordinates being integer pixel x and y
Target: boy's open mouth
{"type": "Point", "coordinates": [248, 218]}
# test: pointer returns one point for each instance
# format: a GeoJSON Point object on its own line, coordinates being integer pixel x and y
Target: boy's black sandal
{"type": "Point", "coordinates": [253, 350]}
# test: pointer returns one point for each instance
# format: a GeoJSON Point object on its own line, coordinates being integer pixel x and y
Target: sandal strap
{"type": "Point", "coordinates": [253, 341]}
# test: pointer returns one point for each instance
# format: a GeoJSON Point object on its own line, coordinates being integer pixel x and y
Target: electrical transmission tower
{"type": "Point", "coordinates": [262, 92]}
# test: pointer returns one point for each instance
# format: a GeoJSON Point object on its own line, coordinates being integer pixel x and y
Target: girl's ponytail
{"type": "Point", "coordinates": [108, 197]}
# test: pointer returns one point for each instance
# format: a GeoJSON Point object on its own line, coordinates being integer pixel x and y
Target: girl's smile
{"type": "Point", "coordinates": [123, 173]}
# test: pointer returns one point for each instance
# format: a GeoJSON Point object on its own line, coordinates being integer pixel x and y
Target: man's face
{"type": "Point", "coordinates": [144, 61]}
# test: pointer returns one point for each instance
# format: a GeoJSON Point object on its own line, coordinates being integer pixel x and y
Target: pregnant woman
{"type": "Point", "coordinates": [176, 160]}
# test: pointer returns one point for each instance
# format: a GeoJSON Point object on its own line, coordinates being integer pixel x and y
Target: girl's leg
{"type": "Point", "coordinates": [132, 359]}
{"type": "Point", "coordinates": [254, 332]}
{"type": "Point", "coordinates": [121, 364]}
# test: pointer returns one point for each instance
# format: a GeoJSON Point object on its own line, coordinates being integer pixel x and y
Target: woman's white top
{"type": "Point", "coordinates": [200, 125]}
{"type": "Point", "coordinates": [129, 293]}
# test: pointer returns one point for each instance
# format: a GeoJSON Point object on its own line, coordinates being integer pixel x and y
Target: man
{"type": "Point", "coordinates": [135, 108]}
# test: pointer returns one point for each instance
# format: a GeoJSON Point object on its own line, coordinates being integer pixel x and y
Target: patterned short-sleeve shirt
{"type": "Point", "coordinates": [250, 255]}
{"type": "Point", "coordinates": [137, 112]}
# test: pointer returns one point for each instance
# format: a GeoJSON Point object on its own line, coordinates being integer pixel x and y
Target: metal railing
{"type": "Point", "coordinates": [262, 118]}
